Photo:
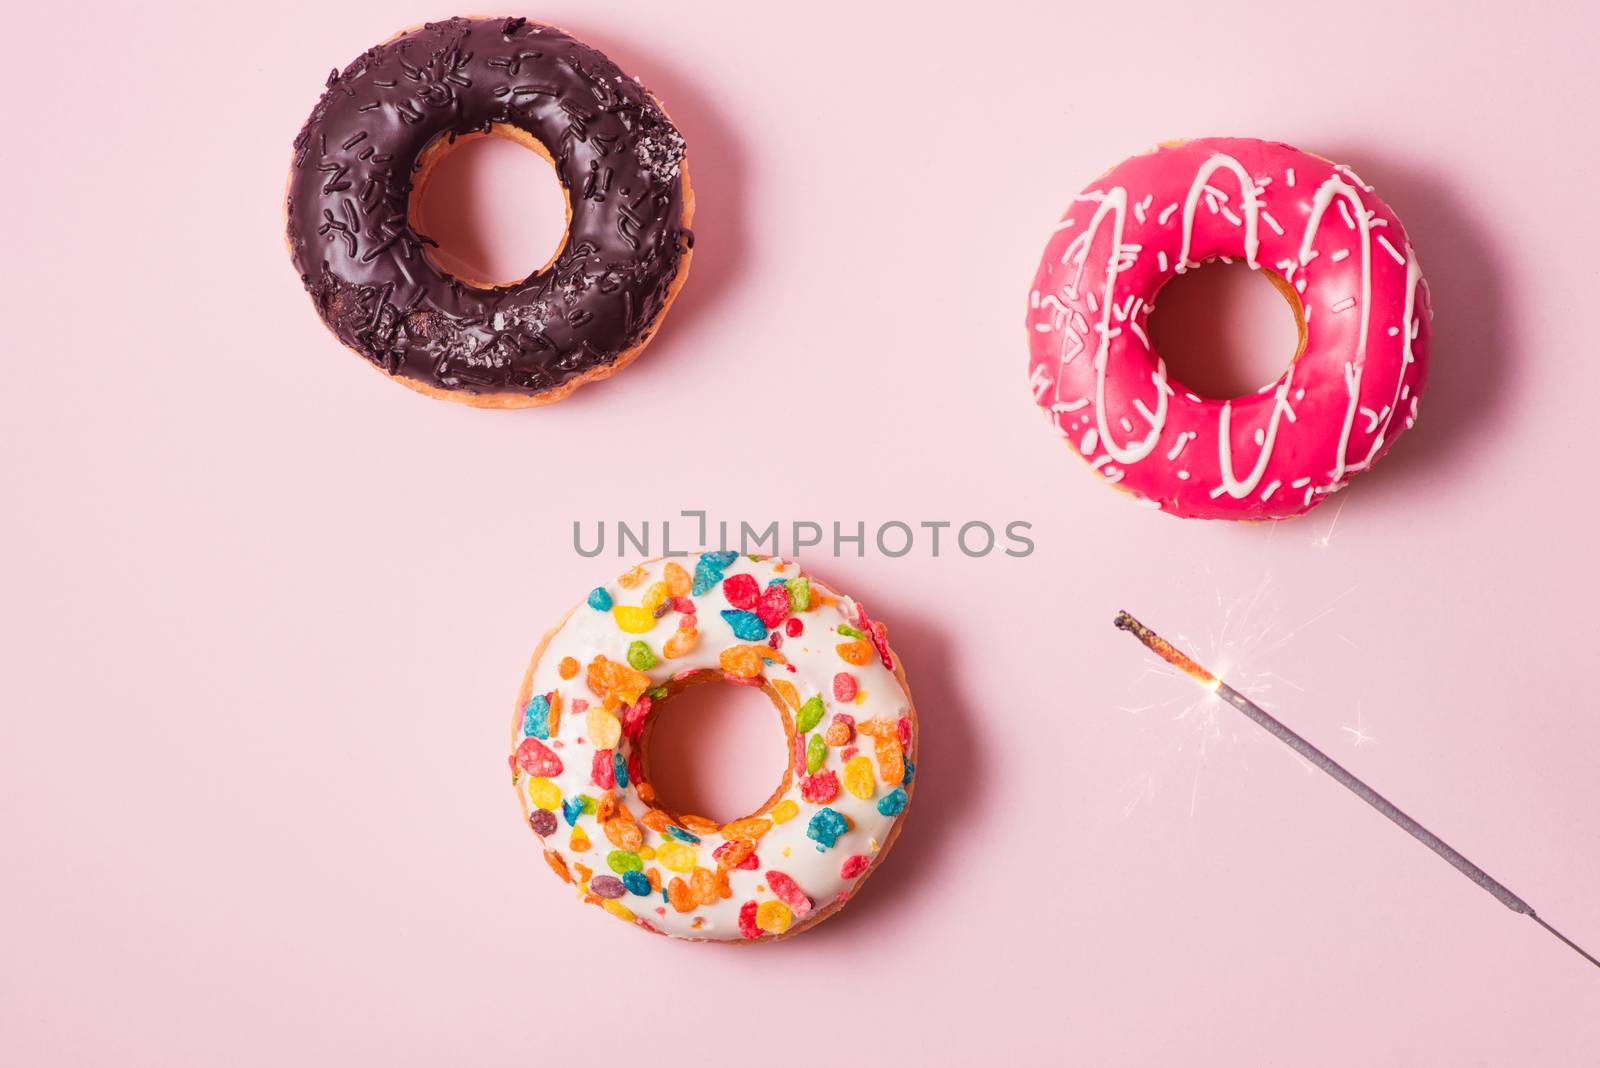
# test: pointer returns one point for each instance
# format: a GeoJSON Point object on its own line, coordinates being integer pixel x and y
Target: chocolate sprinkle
{"type": "Point", "coordinates": [615, 152]}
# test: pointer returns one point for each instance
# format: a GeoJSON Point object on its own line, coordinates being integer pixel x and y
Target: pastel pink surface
{"type": "Point", "coordinates": [1346, 398]}
{"type": "Point", "coordinates": [265, 612]}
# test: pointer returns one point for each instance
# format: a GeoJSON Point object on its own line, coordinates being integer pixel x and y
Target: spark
{"type": "Point", "coordinates": [1358, 731]}
{"type": "Point", "coordinates": [1327, 536]}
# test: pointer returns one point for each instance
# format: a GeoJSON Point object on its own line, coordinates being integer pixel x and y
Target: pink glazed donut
{"type": "Point", "coordinates": [1331, 246]}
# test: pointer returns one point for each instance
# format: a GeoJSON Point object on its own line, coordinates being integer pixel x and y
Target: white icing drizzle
{"type": "Point", "coordinates": [1040, 381]}
{"type": "Point", "coordinates": [1413, 281]}
{"type": "Point", "coordinates": [1114, 202]}
{"type": "Point", "coordinates": [1336, 186]}
{"type": "Point", "coordinates": [1359, 220]}
{"type": "Point", "coordinates": [1247, 203]}
{"type": "Point", "coordinates": [1231, 483]}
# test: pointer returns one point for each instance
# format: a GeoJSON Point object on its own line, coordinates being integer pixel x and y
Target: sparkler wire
{"type": "Point", "coordinates": [1340, 774]}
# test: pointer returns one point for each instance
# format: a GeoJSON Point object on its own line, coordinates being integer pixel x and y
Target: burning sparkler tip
{"type": "Point", "coordinates": [1167, 651]}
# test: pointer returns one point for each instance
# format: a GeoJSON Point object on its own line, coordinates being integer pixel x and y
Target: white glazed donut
{"type": "Point", "coordinates": [580, 753]}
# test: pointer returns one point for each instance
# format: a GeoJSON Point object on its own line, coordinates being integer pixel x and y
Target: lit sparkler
{"type": "Point", "coordinates": [1186, 664]}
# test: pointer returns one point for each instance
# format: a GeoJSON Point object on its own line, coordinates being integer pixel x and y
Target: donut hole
{"type": "Point", "coordinates": [493, 203]}
{"type": "Point", "coordinates": [1223, 331]}
{"type": "Point", "coordinates": [715, 750]}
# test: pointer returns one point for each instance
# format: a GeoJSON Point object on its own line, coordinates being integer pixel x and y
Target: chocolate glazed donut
{"type": "Point", "coordinates": [389, 117]}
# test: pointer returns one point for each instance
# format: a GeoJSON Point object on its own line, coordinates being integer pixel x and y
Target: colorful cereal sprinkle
{"type": "Point", "coordinates": [536, 758]}
{"type": "Point", "coordinates": [810, 715]}
{"type": "Point", "coordinates": [750, 829]}
{"type": "Point", "coordinates": [605, 730]}
{"type": "Point", "coordinates": [676, 857]}
{"type": "Point", "coordinates": [607, 886]}
{"type": "Point", "coordinates": [820, 788]}
{"type": "Point", "coordinates": [682, 643]}
{"type": "Point", "coordinates": [736, 854]}
{"type": "Point", "coordinates": [857, 652]}
{"type": "Point", "coordinates": [773, 606]}
{"type": "Point", "coordinates": [788, 693]}
{"type": "Point", "coordinates": [893, 803]}
{"type": "Point", "coordinates": [774, 917]}
{"type": "Point", "coordinates": [624, 834]}
{"type": "Point", "coordinates": [633, 619]}
{"type": "Point", "coordinates": [706, 886]}
{"type": "Point", "coordinates": [747, 626]}
{"type": "Point", "coordinates": [622, 861]}
{"type": "Point", "coordinates": [858, 778]}
{"type": "Point", "coordinates": [741, 590]}
{"type": "Point", "coordinates": [600, 771]}
{"type": "Point", "coordinates": [656, 596]}
{"type": "Point", "coordinates": [788, 891]}
{"type": "Point", "coordinates": [536, 717]}
{"type": "Point", "coordinates": [677, 579]}
{"type": "Point", "coordinates": [708, 572]}
{"type": "Point", "coordinates": [640, 658]}
{"type": "Point", "coordinates": [544, 793]}
{"type": "Point", "coordinates": [826, 826]}
{"type": "Point", "coordinates": [746, 661]}
{"type": "Point", "coordinates": [816, 753]}
{"type": "Point", "coordinates": [747, 920]}
{"type": "Point", "coordinates": [840, 731]}
{"type": "Point", "coordinates": [619, 910]}
{"type": "Point", "coordinates": [614, 682]}
{"type": "Point", "coordinates": [633, 718]}
{"type": "Point", "coordinates": [571, 809]}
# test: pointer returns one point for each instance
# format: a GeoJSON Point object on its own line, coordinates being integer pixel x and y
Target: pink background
{"type": "Point", "coordinates": [265, 613]}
